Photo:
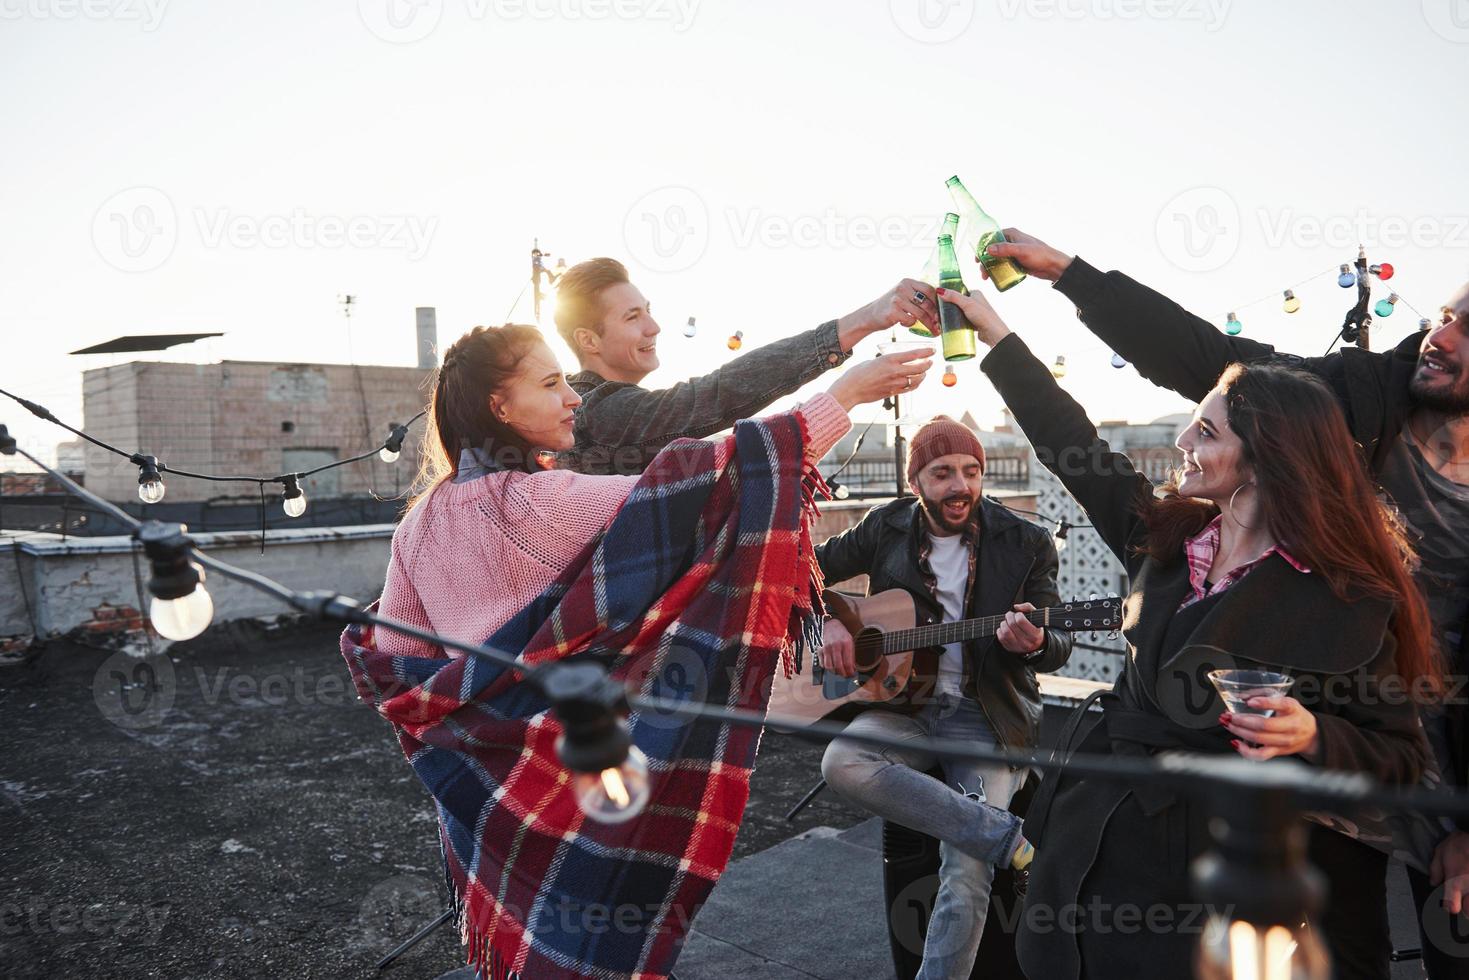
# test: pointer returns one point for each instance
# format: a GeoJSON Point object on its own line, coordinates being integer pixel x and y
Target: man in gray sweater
{"type": "Point", "coordinates": [621, 426]}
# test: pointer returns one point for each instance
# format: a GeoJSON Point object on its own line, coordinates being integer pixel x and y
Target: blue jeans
{"type": "Point", "coordinates": [967, 813]}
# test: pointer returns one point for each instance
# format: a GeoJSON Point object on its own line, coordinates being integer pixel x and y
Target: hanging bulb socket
{"type": "Point", "coordinates": [7, 442]}
{"type": "Point", "coordinates": [1291, 304]}
{"type": "Point", "coordinates": [838, 489]}
{"type": "Point", "coordinates": [394, 446]}
{"type": "Point", "coordinates": [293, 500]}
{"type": "Point", "coordinates": [1232, 326]}
{"type": "Point", "coordinates": [610, 776]}
{"type": "Point", "coordinates": [181, 607]}
{"type": "Point", "coordinates": [1348, 278]}
{"type": "Point", "coordinates": [150, 483]}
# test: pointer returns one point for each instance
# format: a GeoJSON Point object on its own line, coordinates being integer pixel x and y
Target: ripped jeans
{"type": "Point", "coordinates": [966, 813]}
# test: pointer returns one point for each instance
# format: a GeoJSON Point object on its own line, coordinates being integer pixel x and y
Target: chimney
{"type": "Point", "coordinates": [426, 322]}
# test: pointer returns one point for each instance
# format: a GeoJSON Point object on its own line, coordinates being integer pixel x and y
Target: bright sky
{"type": "Point", "coordinates": [182, 166]}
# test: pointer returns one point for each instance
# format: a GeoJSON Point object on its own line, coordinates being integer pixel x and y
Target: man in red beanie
{"type": "Point", "coordinates": [960, 556]}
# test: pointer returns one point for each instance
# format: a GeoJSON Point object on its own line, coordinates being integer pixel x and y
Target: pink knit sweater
{"type": "Point", "coordinates": [471, 555]}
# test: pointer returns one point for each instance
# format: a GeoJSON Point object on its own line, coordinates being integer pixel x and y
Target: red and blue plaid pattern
{"type": "Point", "coordinates": [701, 583]}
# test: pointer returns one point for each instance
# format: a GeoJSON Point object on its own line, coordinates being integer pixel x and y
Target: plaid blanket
{"type": "Point", "coordinates": [701, 583]}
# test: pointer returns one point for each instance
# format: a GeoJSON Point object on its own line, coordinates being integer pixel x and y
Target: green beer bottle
{"type": "Point", "coordinates": [984, 231]}
{"type": "Point", "coordinates": [930, 273]}
{"type": "Point", "coordinates": [960, 340]}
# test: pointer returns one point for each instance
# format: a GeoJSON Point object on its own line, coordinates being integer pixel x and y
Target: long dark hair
{"type": "Point", "coordinates": [475, 366]}
{"type": "Point", "coordinates": [1314, 496]}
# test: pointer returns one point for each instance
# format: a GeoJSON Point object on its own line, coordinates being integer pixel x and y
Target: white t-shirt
{"type": "Point", "coordinates": [949, 560]}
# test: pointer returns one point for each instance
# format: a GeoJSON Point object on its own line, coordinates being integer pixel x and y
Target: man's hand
{"type": "Point", "coordinates": [878, 378]}
{"type": "Point", "coordinates": [1018, 634]}
{"type": "Point", "coordinates": [906, 303]}
{"type": "Point", "coordinates": [1033, 255]}
{"type": "Point", "coordinates": [1291, 730]}
{"type": "Point", "coordinates": [978, 311]}
{"type": "Point", "coordinates": [1450, 868]}
{"type": "Point", "coordinates": [838, 654]}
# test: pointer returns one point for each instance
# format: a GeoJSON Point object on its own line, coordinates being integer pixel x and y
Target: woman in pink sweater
{"type": "Point", "coordinates": [501, 410]}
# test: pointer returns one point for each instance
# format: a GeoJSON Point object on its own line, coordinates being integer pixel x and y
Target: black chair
{"type": "Point", "coordinates": [910, 865]}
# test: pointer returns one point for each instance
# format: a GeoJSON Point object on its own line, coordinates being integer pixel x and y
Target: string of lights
{"type": "Point", "coordinates": [181, 609]}
{"type": "Point", "coordinates": [151, 488]}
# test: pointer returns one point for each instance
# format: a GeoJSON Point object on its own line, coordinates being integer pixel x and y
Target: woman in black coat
{"type": "Point", "coordinates": [1268, 550]}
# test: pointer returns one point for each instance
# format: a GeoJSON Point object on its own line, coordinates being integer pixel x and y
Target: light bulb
{"type": "Point", "coordinates": [617, 794]}
{"type": "Point", "coordinates": [294, 506]}
{"type": "Point", "coordinates": [1118, 361]}
{"type": "Point", "coordinates": [1385, 307]}
{"type": "Point", "coordinates": [182, 619]}
{"type": "Point", "coordinates": [151, 491]}
{"type": "Point", "coordinates": [387, 455]}
{"type": "Point", "coordinates": [1058, 370]}
{"type": "Point", "coordinates": [1291, 304]}
{"type": "Point", "coordinates": [1382, 271]}
{"type": "Point", "coordinates": [689, 329]}
{"type": "Point", "coordinates": [1424, 325]}
{"type": "Point", "coordinates": [1232, 326]}
{"type": "Point", "coordinates": [839, 490]}
{"type": "Point", "coordinates": [950, 378]}
{"type": "Point", "coordinates": [735, 341]}
{"type": "Point", "coordinates": [1348, 278]}
{"type": "Point", "coordinates": [1232, 949]}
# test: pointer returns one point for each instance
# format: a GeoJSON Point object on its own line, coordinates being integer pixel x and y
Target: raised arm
{"type": "Point", "coordinates": [622, 426]}
{"type": "Point", "coordinates": [1064, 439]}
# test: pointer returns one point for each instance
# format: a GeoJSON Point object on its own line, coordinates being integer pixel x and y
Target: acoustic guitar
{"type": "Point", "coordinates": [893, 652]}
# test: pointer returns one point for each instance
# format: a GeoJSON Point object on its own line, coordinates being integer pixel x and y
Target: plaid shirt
{"type": "Point", "coordinates": [1200, 551]}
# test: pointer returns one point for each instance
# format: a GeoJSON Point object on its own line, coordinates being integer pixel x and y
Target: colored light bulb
{"type": "Point", "coordinates": [1382, 271]}
{"type": "Point", "coordinates": [1291, 304]}
{"type": "Point", "coordinates": [1058, 370]}
{"type": "Point", "coordinates": [1118, 361]}
{"type": "Point", "coordinates": [1385, 307]}
{"type": "Point", "coordinates": [1348, 278]}
{"type": "Point", "coordinates": [736, 340]}
{"type": "Point", "coordinates": [950, 378]}
{"type": "Point", "coordinates": [1232, 326]}
{"type": "Point", "coordinates": [689, 329]}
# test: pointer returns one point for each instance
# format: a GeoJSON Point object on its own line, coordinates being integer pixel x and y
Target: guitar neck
{"type": "Point", "coordinates": [941, 634]}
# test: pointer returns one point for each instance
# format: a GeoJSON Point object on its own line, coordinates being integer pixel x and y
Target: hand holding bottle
{"type": "Point", "coordinates": [906, 303]}
{"type": "Point", "coordinates": [881, 377]}
{"type": "Point", "coordinates": [1033, 255]}
{"type": "Point", "coordinates": [981, 315]}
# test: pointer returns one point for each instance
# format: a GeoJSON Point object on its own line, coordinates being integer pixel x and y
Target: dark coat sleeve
{"type": "Point", "coordinates": [1104, 482]}
{"type": "Point", "coordinates": [1370, 726]}
{"type": "Point", "coordinates": [853, 551]}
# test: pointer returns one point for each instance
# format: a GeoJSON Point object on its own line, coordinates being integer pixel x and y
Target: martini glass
{"type": "Point", "coordinates": [907, 410]}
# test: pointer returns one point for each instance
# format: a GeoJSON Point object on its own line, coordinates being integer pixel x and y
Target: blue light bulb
{"type": "Point", "coordinates": [1232, 326]}
{"type": "Point", "coordinates": [1348, 278]}
{"type": "Point", "coordinates": [1118, 361]}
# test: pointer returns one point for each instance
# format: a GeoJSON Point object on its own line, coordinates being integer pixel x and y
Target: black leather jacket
{"type": "Point", "coordinates": [1016, 563]}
